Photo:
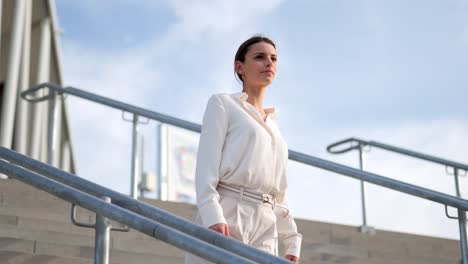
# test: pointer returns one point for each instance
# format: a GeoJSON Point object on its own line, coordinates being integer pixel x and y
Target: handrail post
{"type": "Point", "coordinates": [363, 188]}
{"type": "Point", "coordinates": [364, 228]}
{"type": "Point", "coordinates": [461, 222]}
{"type": "Point", "coordinates": [463, 241]}
{"type": "Point", "coordinates": [102, 234]}
{"type": "Point", "coordinates": [457, 184]}
{"type": "Point", "coordinates": [52, 134]}
{"type": "Point", "coordinates": [134, 166]}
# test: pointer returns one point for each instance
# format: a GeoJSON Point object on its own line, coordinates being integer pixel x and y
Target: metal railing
{"type": "Point", "coordinates": [138, 215]}
{"type": "Point", "coordinates": [359, 144]}
{"type": "Point", "coordinates": [446, 200]}
{"type": "Point", "coordinates": [55, 90]}
{"type": "Point", "coordinates": [350, 144]}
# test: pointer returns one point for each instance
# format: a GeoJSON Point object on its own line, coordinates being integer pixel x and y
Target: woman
{"type": "Point", "coordinates": [241, 176]}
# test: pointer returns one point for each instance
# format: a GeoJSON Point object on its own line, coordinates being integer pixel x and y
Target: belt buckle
{"type": "Point", "coordinates": [268, 199]}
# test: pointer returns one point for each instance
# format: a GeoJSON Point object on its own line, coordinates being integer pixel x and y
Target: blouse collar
{"type": "Point", "coordinates": [242, 97]}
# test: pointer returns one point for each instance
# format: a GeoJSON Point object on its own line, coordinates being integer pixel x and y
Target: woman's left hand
{"type": "Point", "coordinates": [292, 258]}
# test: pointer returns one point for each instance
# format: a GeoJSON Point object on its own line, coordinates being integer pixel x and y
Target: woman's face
{"type": "Point", "coordinates": [259, 66]}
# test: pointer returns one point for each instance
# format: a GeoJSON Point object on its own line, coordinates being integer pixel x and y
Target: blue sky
{"type": "Point", "coordinates": [392, 71]}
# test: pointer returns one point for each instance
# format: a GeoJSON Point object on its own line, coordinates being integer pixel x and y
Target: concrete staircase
{"type": "Point", "coordinates": [35, 228]}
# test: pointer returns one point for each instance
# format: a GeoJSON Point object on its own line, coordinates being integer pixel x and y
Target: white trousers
{"type": "Point", "coordinates": [248, 221]}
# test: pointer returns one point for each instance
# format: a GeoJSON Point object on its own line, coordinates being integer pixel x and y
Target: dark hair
{"type": "Point", "coordinates": [244, 48]}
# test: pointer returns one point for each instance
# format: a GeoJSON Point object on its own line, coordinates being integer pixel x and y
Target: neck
{"type": "Point", "coordinates": [256, 96]}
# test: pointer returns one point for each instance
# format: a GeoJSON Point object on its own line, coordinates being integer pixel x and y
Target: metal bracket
{"type": "Point", "coordinates": [75, 222]}
{"type": "Point", "coordinates": [461, 172]}
{"type": "Point", "coordinates": [368, 230]}
{"type": "Point", "coordinates": [449, 216]}
{"type": "Point", "coordinates": [86, 225]}
{"type": "Point", "coordinates": [366, 148]}
{"type": "Point", "coordinates": [353, 144]}
{"type": "Point", "coordinates": [30, 96]}
{"type": "Point", "coordinates": [131, 119]}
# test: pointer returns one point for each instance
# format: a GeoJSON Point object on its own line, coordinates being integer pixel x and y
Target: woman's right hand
{"type": "Point", "coordinates": [220, 228]}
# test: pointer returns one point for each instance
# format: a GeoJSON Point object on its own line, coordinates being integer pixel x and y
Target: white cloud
{"type": "Point", "coordinates": [218, 16]}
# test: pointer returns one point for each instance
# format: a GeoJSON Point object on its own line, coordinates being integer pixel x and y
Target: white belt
{"type": "Point", "coordinates": [252, 196]}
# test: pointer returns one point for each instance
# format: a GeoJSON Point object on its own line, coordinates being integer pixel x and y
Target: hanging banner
{"type": "Point", "coordinates": [178, 156]}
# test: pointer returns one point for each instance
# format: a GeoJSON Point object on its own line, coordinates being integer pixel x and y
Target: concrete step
{"type": "Point", "coordinates": [15, 250]}
{"type": "Point", "coordinates": [116, 255]}
{"type": "Point", "coordinates": [21, 199]}
{"type": "Point", "coordinates": [127, 242]}
{"type": "Point", "coordinates": [17, 245]}
{"type": "Point", "coordinates": [11, 257]}
{"type": "Point", "coordinates": [130, 241]}
{"type": "Point", "coordinates": [18, 199]}
{"type": "Point", "coordinates": [46, 235]}
{"type": "Point", "coordinates": [25, 227]}
{"type": "Point", "coordinates": [31, 224]}
{"type": "Point", "coordinates": [349, 254]}
{"type": "Point", "coordinates": [38, 213]}
{"type": "Point", "coordinates": [383, 243]}
{"type": "Point", "coordinates": [118, 240]}
{"type": "Point", "coordinates": [187, 211]}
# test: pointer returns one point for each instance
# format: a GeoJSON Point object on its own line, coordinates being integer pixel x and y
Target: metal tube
{"type": "Point", "coordinates": [134, 166]}
{"type": "Point", "coordinates": [42, 76]}
{"type": "Point", "coordinates": [142, 161]}
{"type": "Point", "coordinates": [380, 180]}
{"type": "Point", "coordinates": [457, 184]}
{"type": "Point", "coordinates": [135, 221]}
{"type": "Point", "coordinates": [162, 162]}
{"type": "Point", "coordinates": [23, 115]}
{"type": "Point", "coordinates": [66, 160]}
{"type": "Point", "coordinates": [363, 188]}
{"type": "Point", "coordinates": [51, 142]}
{"type": "Point", "coordinates": [102, 235]}
{"type": "Point", "coordinates": [143, 209]}
{"type": "Point", "coordinates": [419, 155]}
{"type": "Point", "coordinates": [44, 133]}
{"type": "Point", "coordinates": [123, 106]}
{"type": "Point", "coordinates": [65, 163]}
{"type": "Point", "coordinates": [463, 241]}
{"type": "Point", "coordinates": [332, 148]}
{"type": "Point", "coordinates": [57, 150]}
{"type": "Point", "coordinates": [461, 222]}
{"type": "Point", "coordinates": [7, 117]}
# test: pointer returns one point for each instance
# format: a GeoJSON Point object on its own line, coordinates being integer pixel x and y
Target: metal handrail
{"type": "Point", "coordinates": [211, 237]}
{"type": "Point", "coordinates": [137, 207]}
{"type": "Point", "coordinates": [55, 89]}
{"type": "Point", "coordinates": [355, 142]}
{"type": "Point", "coordinates": [137, 222]}
{"type": "Point", "coordinates": [359, 144]}
{"type": "Point", "coordinates": [28, 95]}
{"type": "Point", "coordinates": [381, 180]}
{"type": "Point", "coordinates": [400, 186]}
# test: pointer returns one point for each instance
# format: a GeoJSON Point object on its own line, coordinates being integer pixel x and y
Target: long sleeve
{"type": "Point", "coordinates": [207, 174]}
{"type": "Point", "coordinates": [287, 229]}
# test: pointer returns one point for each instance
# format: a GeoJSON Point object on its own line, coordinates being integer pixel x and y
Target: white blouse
{"type": "Point", "coordinates": [239, 148]}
